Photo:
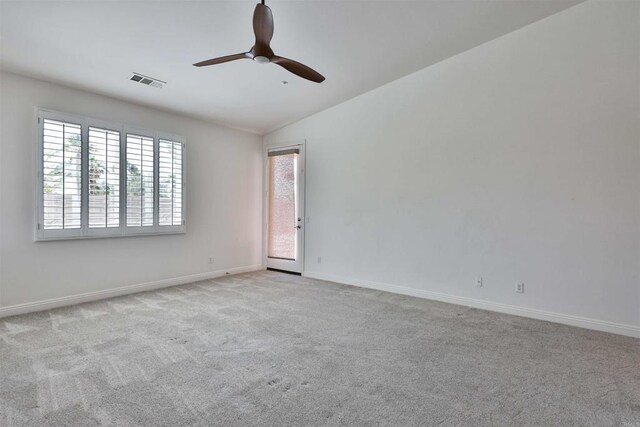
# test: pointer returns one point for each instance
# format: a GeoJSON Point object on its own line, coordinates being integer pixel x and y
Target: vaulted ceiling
{"type": "Point", "coordinates": [356, 45]}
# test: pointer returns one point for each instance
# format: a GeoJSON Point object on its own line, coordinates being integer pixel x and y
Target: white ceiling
{"type": "Point", "coordinates": [356, 45]}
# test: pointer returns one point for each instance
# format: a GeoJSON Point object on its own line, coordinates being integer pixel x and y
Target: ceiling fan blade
{"type": "Point", "coordinates": [222, 59]}
{"type": "Point", "coordinates": [263, 24]}
{"type": "Point", "coordinates": [298, 69]}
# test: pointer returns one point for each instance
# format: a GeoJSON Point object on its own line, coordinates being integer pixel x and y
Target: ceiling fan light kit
{"type": "Point", "coordinates": [261, 51]}
{"type": "Point", "coordinates": [261, 59]}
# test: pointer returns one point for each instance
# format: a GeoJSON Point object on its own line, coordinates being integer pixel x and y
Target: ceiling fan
{"type": "Point", "coordinates": [261, 51]}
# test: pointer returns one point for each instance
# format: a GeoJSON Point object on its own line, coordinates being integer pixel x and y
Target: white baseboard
{"type": "Point", "coordinates": [48, 304]}
{"type": "Point", "coordinates": [566, 319]}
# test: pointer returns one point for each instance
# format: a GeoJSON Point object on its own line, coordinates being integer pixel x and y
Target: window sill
{"type": "Point", "coordinates": [40, 238]}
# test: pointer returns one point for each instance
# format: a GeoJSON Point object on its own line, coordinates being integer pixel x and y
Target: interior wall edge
{"type": "Point", "coordinates": [49, 304]}
{"type": "Point", "coordinates": [132, 102]}
{"type": "Point", "coordinates": [549, 316]}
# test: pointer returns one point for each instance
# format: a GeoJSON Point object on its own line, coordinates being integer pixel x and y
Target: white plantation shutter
{"type": "Point", "coordinates": [170, 156]}
{"type": "Point", "coordinates": [140, 181]}
{"type": "Point", "coordinates": [99, 179]}
{"type": "Point", "coordinates": [104, 178]}
{"type": "Point", "coordinates": [61, 175]}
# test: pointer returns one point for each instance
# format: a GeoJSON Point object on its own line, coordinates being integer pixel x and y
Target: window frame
{"type": "Point", "coordinates": [84, 232]}
{"type": "Point", "coordinates": [173, 138]}
{"type": "Point", "coordinates": [139, 230]}
{"type": "Point", "coordinates": [106, 231]}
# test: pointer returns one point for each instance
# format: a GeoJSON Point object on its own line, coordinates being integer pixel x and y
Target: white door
{"type": "Point", "coordinates": [285, 208]}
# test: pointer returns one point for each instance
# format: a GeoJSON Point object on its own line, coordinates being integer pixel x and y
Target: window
{"type": "Point", "coordinates": [100, 179]}
{"type": "Point", "coordinates": [104, 178]}
{"type": "Point", "coordinates": [170, 171]}
{"type": "Point", "coordinates": [140, 180]}
{"type": "Point", "coordinates": [62, 175]}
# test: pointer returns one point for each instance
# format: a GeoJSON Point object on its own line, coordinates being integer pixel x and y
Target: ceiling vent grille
{"type": "Point", "coordinates": [145, 80]}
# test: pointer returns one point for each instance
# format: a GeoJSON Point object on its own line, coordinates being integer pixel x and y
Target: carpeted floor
{"type": "Point", "coordinates": [274, 349]}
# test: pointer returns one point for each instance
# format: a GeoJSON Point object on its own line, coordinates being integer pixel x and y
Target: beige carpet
{"type": "Point", "coordinates": [273, 349]}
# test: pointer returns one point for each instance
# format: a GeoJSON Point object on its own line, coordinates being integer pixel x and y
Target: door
{"type": "Point", "coordinates": [285, 208]}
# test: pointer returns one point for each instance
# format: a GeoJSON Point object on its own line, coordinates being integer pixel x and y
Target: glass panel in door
{"type": "Point", "coordinates": [284, 228]}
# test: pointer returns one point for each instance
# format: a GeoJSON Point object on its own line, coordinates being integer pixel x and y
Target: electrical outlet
{"type": "Point", "coordinates": [520, 288]}
{"type": "Point", "coordinates": [479, 282]}
{"type": "Point", "coordinates": [319, 260]}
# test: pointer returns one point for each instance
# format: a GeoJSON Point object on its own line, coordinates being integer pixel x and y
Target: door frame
{"type": "Point", "coordinates": [302, 144]}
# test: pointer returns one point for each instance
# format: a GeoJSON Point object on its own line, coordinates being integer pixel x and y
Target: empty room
{"type": "Point", "coordinates": [310, 213]}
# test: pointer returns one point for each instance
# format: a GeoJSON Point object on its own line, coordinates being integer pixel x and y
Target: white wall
{"type": "Point", "coordinates": [224, 205]}
{"type": "Point", "coordinates": [518, 160]}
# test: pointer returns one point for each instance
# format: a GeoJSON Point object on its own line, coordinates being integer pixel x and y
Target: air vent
{"type": "Point", "coordinates": [149, 81]}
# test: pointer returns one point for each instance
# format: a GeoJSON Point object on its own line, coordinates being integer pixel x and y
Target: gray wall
{"type": "Point", "coordinates": [517, 161]}
{"type": "Point", "coordinates": [224, 183]}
